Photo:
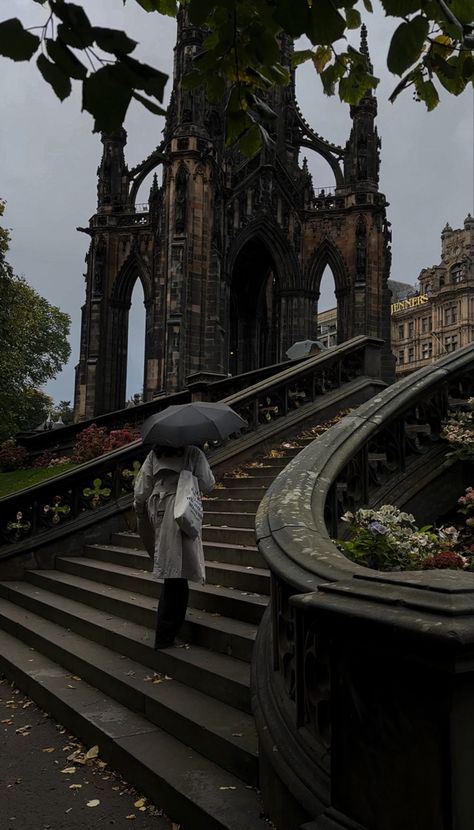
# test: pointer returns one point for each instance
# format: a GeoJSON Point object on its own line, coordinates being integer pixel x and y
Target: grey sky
{"type": "Point", "coordinates": [49, 158]}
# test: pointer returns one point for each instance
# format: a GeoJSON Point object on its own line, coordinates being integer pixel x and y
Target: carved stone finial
{"type": "Point", "coordinates": [364, 45]}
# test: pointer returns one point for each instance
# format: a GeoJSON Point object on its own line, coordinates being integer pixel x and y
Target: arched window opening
{"type": "Point", "coordinates": [145, 192]}
{"type": "Point", "coordinates": [136, 344]}
{"type": "Point", "coordinates": [327, 309]}
{"type": "Point", "coordinates": [253, 310]}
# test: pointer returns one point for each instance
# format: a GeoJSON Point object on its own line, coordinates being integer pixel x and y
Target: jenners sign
{"type": "Point", "coordinates": [410, 302]}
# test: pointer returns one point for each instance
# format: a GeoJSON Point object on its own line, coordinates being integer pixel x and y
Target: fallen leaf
{"type": "Point", "coordinates": [23, 729]}
{"type": "Point", "coordinates": [49, 749]}
{"type": "Point", "coordinates": [140, 803]}
{"type": "Point", "coordinates": [69, 770]}
{"type": "Point", "coordinates": [92, 753]}
{"type": "Point", "coordinates": [131, 816]}
{"type": "Point", "coordinates": [237, 734]}
{"type": "Point", "coordinates": [75, 786]}
{"type": "Point", "coordinates": [75, 677]}
{"type": "Point", "coordinates": [94, 803]}
{"type": "Point", "coordinates": [227, 788]}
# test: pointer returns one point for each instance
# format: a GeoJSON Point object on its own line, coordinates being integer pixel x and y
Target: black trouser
{"type": "Point", "coordinates": [171, 610]}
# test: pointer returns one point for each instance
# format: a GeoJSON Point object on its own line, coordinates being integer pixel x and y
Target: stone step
{"type": "Point", "coordinates": [218, 731]}
{"type": "Point", "coordinates": [215, 551]}
{"type": "Point", "coordinates": [225, 519]}
{"type": "Point", "coordinates": [224, 635]}
{"type": "Point", "coordinates": [230, 505]}
{"type": "Point", "coordinates": [233, 554]}
{"type": "Point", "coordinates": [229, 534]}
{"type": "Point", "coordinates": [240, 490]}
{"type": "Point", "coordinates": [251, 481]}
{"type": "Point", "coordinates": [239, 605]}
{"type": "Point", "coordinates": [219, 675]}
{"type": "Point", "coordinates": [244, 578]}
{"type": "Point", "coordinates": [184, 783]}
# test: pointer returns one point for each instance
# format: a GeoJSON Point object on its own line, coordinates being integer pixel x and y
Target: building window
{"type": "Point", "coordinates": [401, 331]}
{"type": "Point", "coordinates": [401, 356]}
{"type": "Point", "coordinates": [426, 350]}
{"type": "Point", "coordinates": [426, 324]}
{"type": "Point", "coordinates": [451, 343]}
{"type": "Point", "coordinates": [457, 273]}
{"type": "Point", "coordinates": [411, 355]}
{"type": "Point", "coordinates": [411, 329]}
{"type": "Point", "coordinates": [450, 315]}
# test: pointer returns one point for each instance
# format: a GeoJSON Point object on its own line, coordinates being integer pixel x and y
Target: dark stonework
{"type": "Point", "coordinates": [230, 251]}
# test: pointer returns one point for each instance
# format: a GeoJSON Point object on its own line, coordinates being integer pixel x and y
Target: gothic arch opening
{"type": "Point", "coordinates": [136, 343]}
{"type": "Point", "coordinates": [330, 283]}
{"type": "Point", "coordinates": [326, 309]}
{"type": "Point", "coordinates": [253, 309]}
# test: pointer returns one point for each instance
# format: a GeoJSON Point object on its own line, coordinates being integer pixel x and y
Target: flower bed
{"type": "Point", "coordinates": [388, 539]}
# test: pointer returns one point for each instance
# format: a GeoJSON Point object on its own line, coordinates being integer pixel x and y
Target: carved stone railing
{"type": "Point", "coordinates": [362, 680]}
{"type": "Point", "coordinates": [86, 495]}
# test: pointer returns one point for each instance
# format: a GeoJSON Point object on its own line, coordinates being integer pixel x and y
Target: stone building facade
{"type": "Point", "coordinates": [230, 251]}
{"type": "Point", "coordinates": [436, 317]}
{"type": "Point", "coordinates": [440, 317]}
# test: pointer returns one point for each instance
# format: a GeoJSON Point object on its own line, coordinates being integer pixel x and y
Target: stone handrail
{"type": "Point", "coordinates": [58, 506]}
{"type": "Point", "coordinates": [348, 663]}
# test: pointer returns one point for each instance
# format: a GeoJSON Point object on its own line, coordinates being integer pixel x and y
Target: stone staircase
{"type": "Point", "coordinates": [176, 723]}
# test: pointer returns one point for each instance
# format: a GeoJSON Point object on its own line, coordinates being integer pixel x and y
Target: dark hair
{"type": "Point", "coordinates": [160, 449]}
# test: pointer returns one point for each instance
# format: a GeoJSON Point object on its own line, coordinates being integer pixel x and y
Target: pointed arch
{"type": "Point", "coordinates": [132, 269]}
{"type": "Point", "coordinates": [328, 254]}
{"type": "Point", "coordinates": [272, 237]}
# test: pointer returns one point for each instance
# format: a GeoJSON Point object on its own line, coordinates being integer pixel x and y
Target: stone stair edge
{"type": "Point", "coordinates": [137, 751]}
{"type": "Point", "coordinates": [132, 685]}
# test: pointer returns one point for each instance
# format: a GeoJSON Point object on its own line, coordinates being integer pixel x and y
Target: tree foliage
{"type": "Point", "coordinates": [33, 348]}
{"type": "Point", "coordinates": [432, 46]}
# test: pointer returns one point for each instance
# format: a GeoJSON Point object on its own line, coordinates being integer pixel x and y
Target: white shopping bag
{"type": "Point", "coordinates": [188, 510]}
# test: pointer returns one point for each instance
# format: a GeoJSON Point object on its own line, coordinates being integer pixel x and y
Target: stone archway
{"type": "Point", "coordinates": [327, 255]}
{"type": "Point", "coordinates": [254, 311]}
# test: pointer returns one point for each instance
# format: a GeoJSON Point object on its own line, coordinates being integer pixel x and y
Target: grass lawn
{"type": "Point", "coordinates": [11, 482]}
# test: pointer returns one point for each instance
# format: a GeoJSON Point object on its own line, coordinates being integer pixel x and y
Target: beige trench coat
{"type": "Point", "coordinates": [174, 554]}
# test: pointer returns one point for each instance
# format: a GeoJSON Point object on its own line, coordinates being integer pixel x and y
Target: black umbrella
{"type": "Point", "coordinates": [304, 348]}
{"type": "Point", "coordinates": [191, 423]}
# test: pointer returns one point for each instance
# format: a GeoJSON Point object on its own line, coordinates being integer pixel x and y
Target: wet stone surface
{"type": "Point", "coordinates": [50, 781]}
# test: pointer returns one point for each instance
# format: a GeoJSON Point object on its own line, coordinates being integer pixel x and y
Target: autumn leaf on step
{"type": "Point", "coordinates": [91, 753]}
{"type": "Point", "coordinates": [94, 803]}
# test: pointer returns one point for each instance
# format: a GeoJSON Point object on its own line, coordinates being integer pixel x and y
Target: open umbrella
{"type": "Point", "coordinates": [191, 423]}
{"type": "Point", "coordinates": [304, 348]}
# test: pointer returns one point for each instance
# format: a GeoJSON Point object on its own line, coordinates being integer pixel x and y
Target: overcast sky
{"type": "Point", "coordinates": [49, 157]}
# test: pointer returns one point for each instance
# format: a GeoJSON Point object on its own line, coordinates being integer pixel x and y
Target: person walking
{"type": "Point", "coordinates": [177, 558]}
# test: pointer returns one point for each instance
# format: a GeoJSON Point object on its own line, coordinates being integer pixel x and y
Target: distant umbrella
{"type": "Point", "coordinates": [191, 423]}
{"type": "Point", "coordinates": [305, 348]}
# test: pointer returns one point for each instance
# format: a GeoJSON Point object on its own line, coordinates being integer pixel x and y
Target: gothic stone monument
{"type": "Point", "coordinates": [230, 251]}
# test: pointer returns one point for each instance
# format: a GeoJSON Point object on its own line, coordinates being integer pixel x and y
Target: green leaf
{"type": "Point", "coordinates": [145, 77]}
{"type": "Point", "coordinates": [407, 44]}
{"type": "Point", "coordinates": [199, 11]}
{"type": "Point", "coordinates": [54, 76]}
{"type": "Point", "coordinates": [263, 109]}
{"type": "Point", "coordinates": [168, 7]}
{"type": "Point", "coordinates": [327, 24]}
{"type": "Point", "coordinates": [150, 105]}
{"type": "Point", "coordinates": [15, 42]}
{"type": "Point", "coordinates": [192, 80]}
{"type": "Point", "coordinates": [106, 97]}
{"type": "Point", "coordinates": [293, 16]}
{"type": "Point", "coordinates": [113, 40]}
{"type": "Point", "coordinates": [427, 92]}
{"type": "Point", "coordinates": [216, 87]}
{"type": "Point", "coordinates": [251, 141]}
{"type": "Point", "coordinates": [353, 18]}
{"type": "Point", "coordinates": [74, 16]}
{"type": "Point", "coordinates": [401, 8]}
{"type": "Point", "coordinates": [236, 124]}
{"type": "Point", "coordinates": [368, 5]}
{"type": "Point", "coordinates": [321, 57]}
{"type": "Point", "coordinates": [76, 40]}
{"type": "Point", "coordinates": [301, 56]}
{"type": "Point", "coordinates": [65, 59]}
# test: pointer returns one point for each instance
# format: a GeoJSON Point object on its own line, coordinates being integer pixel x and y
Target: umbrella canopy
{"type": "Point", "coordinates": [304, 348]}
{"type": "Point", "coordinates": [191, 423]}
